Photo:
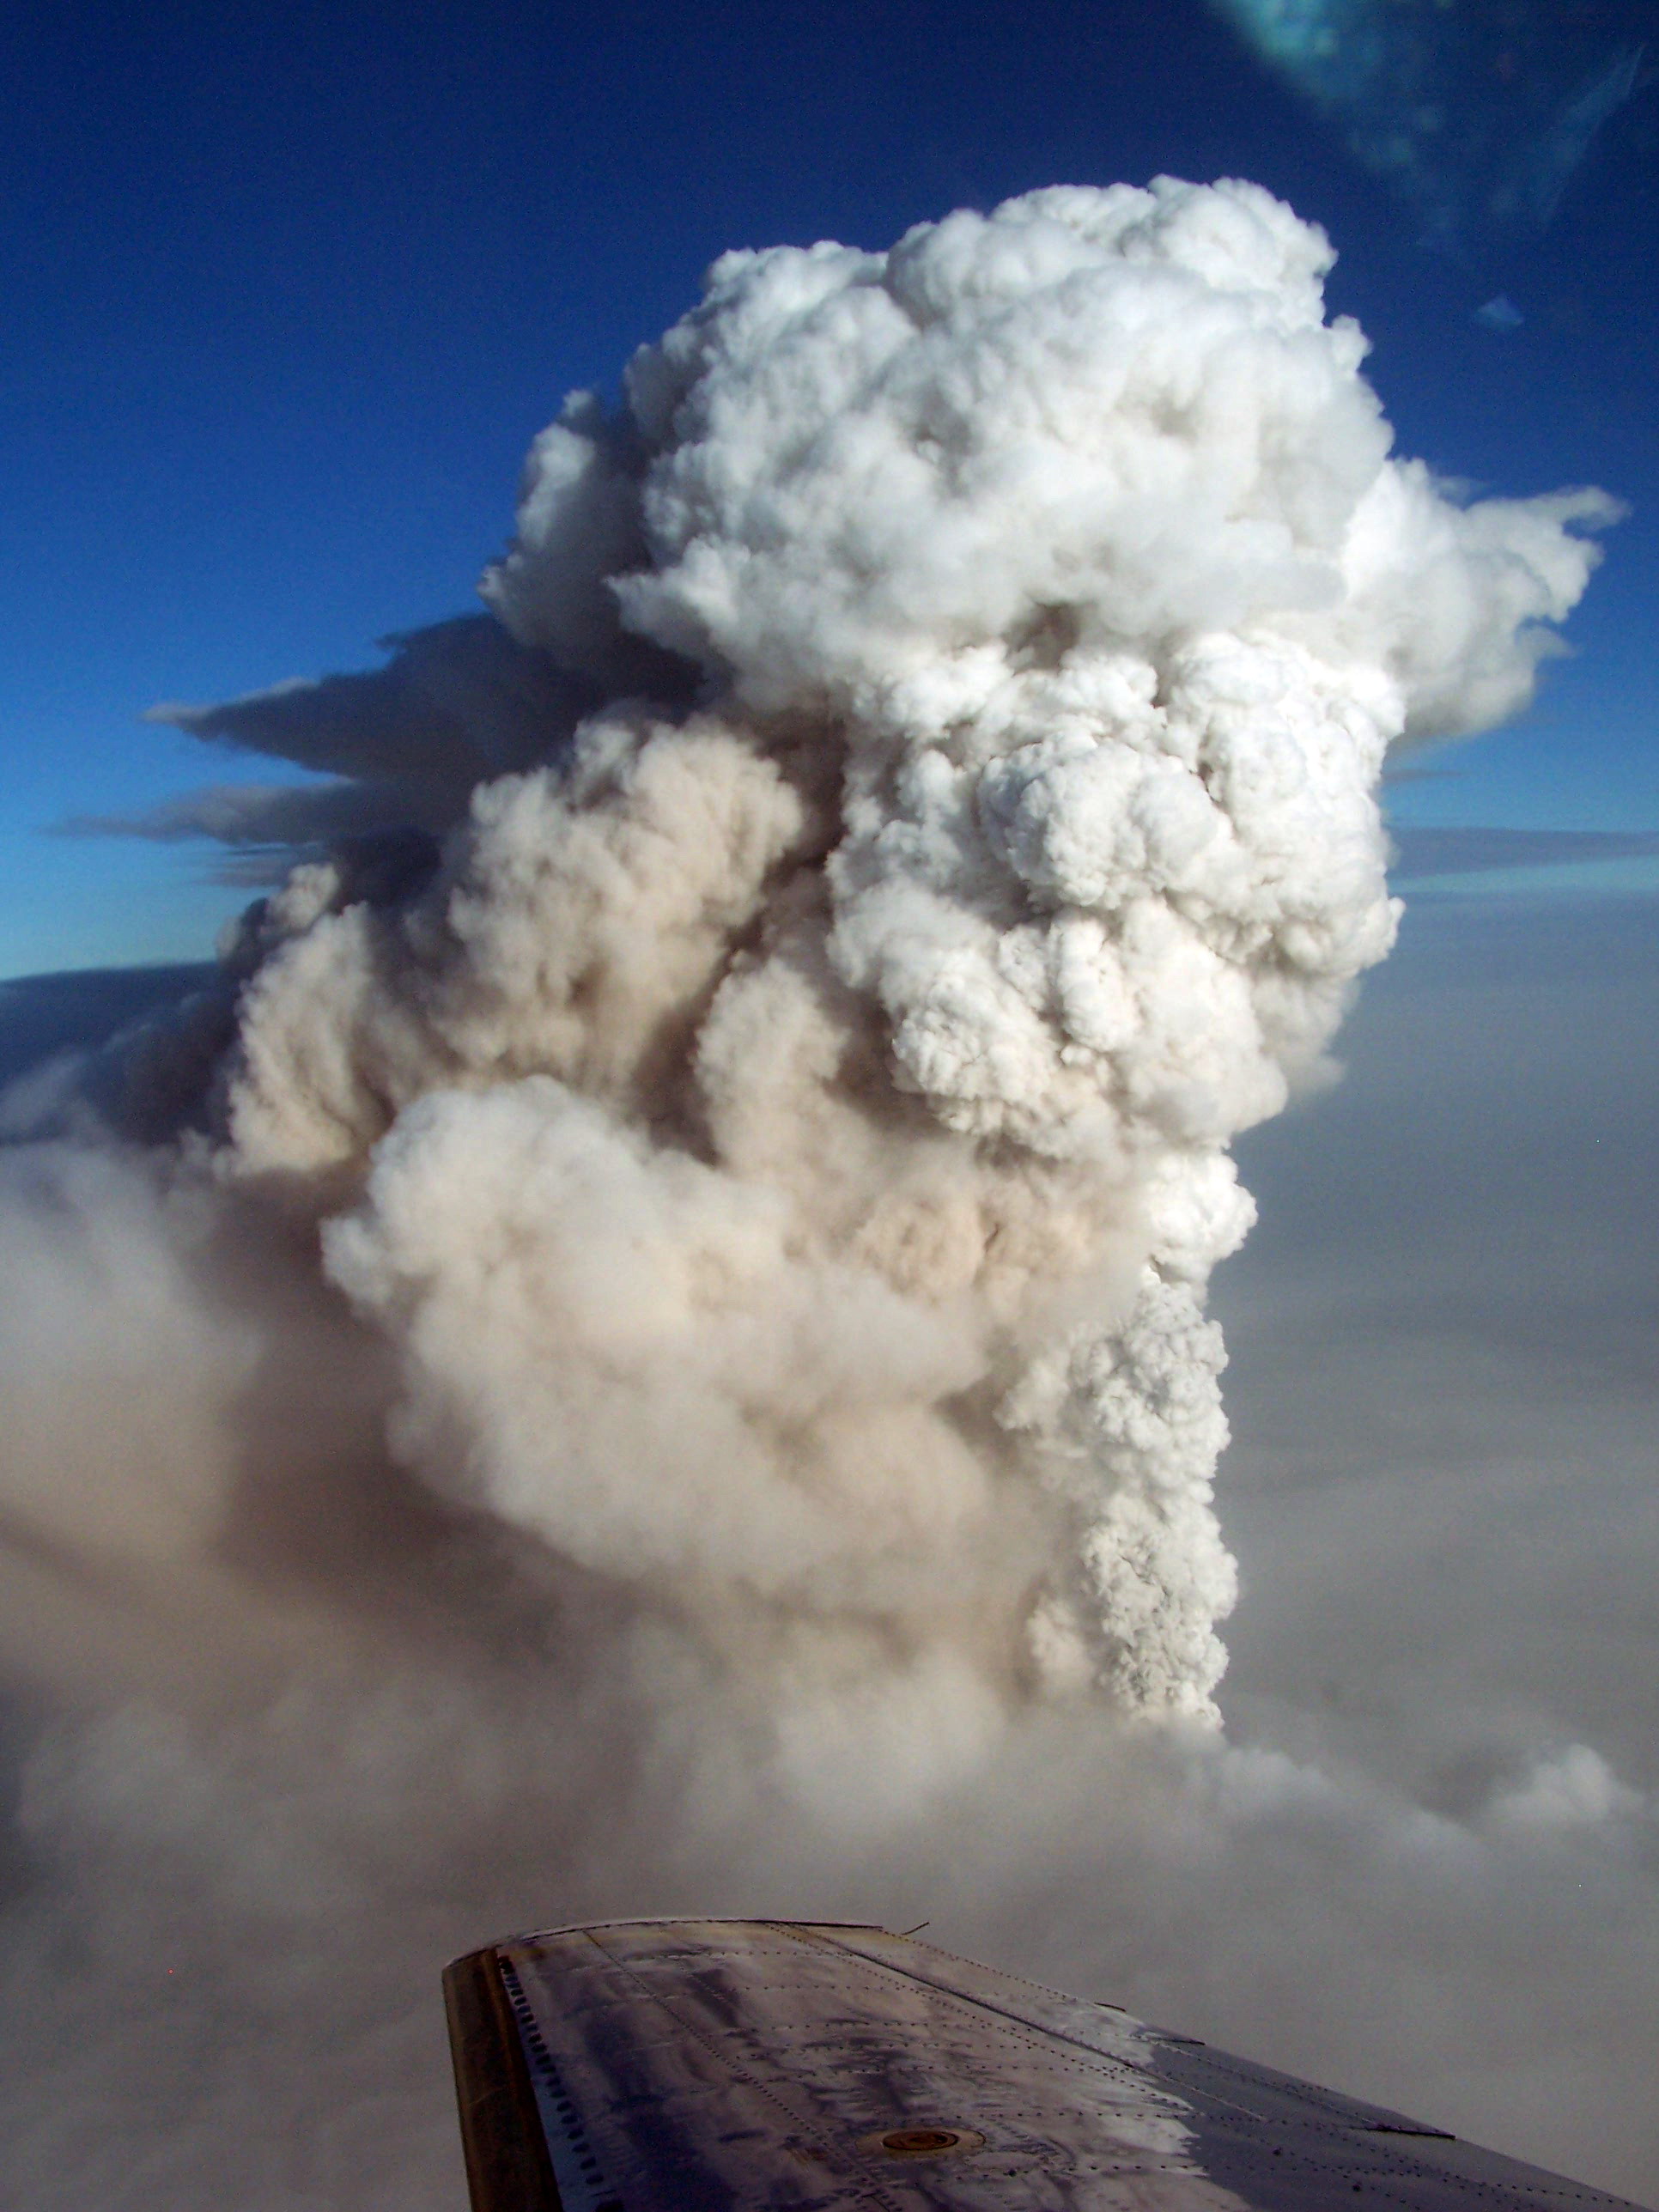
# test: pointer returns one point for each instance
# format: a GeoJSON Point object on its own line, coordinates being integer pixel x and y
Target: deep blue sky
{"type": "Point", "coordinates": [290, 290]}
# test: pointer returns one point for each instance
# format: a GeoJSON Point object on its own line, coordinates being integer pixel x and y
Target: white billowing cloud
{"type": "Point", "coordinates": [1057, 600]}
{"type": "Point", "coordinates": [716, 1273]}
{"type": "Point", "coordinates": [1574, 1789]}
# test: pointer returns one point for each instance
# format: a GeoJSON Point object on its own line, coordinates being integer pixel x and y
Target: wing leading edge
{"type": "Point", "coordinates": [684, 2065]}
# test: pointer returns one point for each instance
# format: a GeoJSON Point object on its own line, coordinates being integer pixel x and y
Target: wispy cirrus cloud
{"type": "Point", "coordinates": [1428, 850]}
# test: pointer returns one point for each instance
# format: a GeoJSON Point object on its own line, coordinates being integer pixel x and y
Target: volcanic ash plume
{"type": "Point", "coordinates": [785, 1143]}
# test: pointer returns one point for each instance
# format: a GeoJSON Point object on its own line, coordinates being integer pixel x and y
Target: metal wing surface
{"type": "Point", "coordinates": [637, 2066]}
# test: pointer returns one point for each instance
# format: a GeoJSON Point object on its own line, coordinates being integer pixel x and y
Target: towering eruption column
{"type": "Point", "coordinates": [788, 1141]}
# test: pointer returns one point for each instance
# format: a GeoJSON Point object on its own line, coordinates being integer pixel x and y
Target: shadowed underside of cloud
{"type": "Point", "coordinates": [457, 704]}
{"type": "Point", "coordinates": [456, 701]}
{"type": "Point", "coordinates": [1424, 850]}
{"type": "Point", "coordinates": [262, 829]}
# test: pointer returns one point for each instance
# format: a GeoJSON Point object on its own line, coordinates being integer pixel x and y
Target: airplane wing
{"type": "Point", "coordinates": [685, 2065]}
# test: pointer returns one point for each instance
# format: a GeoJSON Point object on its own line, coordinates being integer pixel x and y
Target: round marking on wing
{"type": "Point", "coordinates": [930, 2141]}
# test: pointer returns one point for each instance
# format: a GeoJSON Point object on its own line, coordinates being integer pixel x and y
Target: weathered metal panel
{"type": "Point", "coordinates": [502, 2139]}
{"type": "Point", "coordinates": [704, 2063]}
